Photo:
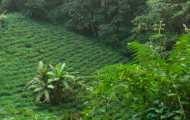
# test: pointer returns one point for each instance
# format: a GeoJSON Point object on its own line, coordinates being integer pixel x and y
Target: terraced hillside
{"type": "Point", "coordinates": [25, 42]}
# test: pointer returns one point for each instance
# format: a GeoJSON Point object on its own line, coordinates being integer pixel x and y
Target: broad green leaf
{"type": "Point", "coordinates": [31, 82]}
{"type": "Point", "coordinates": [66, 84]}
{"type": "Point", "coordinates": [185, 78]}
{"type": "Point", "coordinates": [46, 93]}
{"type": "Point", "coordinates": [176, 86]}
{"type": "Point", "coordinates": [35, 86]}
{"type": "Point", "coordinates": [163, 116]}
{"type": "Point", "coordinates": [62, 67]}
{"type": "Point", "coordinates": [172, 94]}
{"type": "Point", "coordinates": [58, 70]}
{"type": "Point", "coordinates": [67, 115]}
{"type": "Point", "coordinates": [40, 66]}
{"type": "Point", "coordinates": [177, 117]}
{"type": "Point", "coordinates": [38, 89]}
{"type": "Point", "coordinates": [102, 110]}
{"type": "Point", "coordinates": [51, 80]}
{"type": "Point", "coordinates": [39, 95]}
{"type": "Point", "coordinates": [54, 71]}
{"type": "Point", "coordinates": [159, 110]}
{"type": "Point", "coordinates": [63, 74]}
{"type": "Point", "coordinates": [170, 114]}
{"type": "Point", "coordinates": [179, 111]}
{"type": "Point", "coordinates": [151, 115]}
{"type": "Point", "coordinates": [50, 86]}
{"type": "Point", "coordinates": [69, 76]}
{"type": "Point", "coordinates": [151, 108]}
{"type": "Point", "coordinates": [137, 115]}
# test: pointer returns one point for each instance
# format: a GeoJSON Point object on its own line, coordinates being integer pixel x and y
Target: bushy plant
{"type": "Point", "coordinates": [157, 87]}
{"type": "Point", "coordinates": [45, 83]}
{"type": "Point", "coordinates": [61, 77]}
{"type": "Point", "coordinates": [41, 84]}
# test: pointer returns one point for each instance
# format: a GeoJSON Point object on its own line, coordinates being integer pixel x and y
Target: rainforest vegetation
{"type": "Point", "coordinates": [94, 59]}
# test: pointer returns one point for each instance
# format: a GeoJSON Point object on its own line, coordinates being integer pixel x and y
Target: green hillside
{"type": "Point", "coordinates": [23, 43]}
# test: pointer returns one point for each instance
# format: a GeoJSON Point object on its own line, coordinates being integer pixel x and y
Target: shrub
{"type": "Point", "coordinates": [157, 87]}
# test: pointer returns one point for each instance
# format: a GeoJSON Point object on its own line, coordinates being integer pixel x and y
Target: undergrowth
{"type": "Point", "coordinates": [152, 87]}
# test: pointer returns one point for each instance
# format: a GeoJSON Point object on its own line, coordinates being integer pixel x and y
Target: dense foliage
{"type": "Point", "coordinates": [151, 87]}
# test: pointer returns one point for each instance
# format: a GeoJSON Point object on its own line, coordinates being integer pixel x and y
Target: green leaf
{"type": "Point", "coordinates": [151, 108]}
{"type": "Point", "coordinates": [58, 70]}
{"type": "Point", "coordinates": [38, 89]}
{"type": "Point", "coordinates": [67, 115]}
{"type": "Point", "coordinates": [163, 116]}
{"type": "Point", "coordinates": [185, 78]}
{"type": "Point", "coordinates": [172, 94]}
{"type": "Point", "coordinates": [62, 67]}
{"type": "Point", "coordinates": [177, 118]}
{"type": "Point", "coordinates": [50, 86]}
{"type": "Point", "coordinates": [46, 93]}
{"type": "Point", "coordinates": [51, 80]}
{"type": "Point", "coordinates": [34, 86]}
{"type": "Point", "coordinates": [170, 114]}
{"type": "Point", "coordinates": [151, 115]}
{"type": "Point", "coordinates": [184, 102]}
{"type": "Point", "coordinates": [31, 82]}
{"type": "Point", "coordinates": [39, 95]}
{"type": "Point", "coordinates": [162, 74]}
{"type": "Point", "coordinates": [156, 101]}
{"type": "Point", "coordinates": [40, 65]}
{"type": "Point", "coordinates": [69, 76]}
{"type": "Point", "coordinates": [179, 111]}
{"type": "Point", "coordinates": [54, 71]}
{"type": "Point", "coordinates": [102, 110]}
{"type": "Point", "coordinates": [66, 84]}
{"type": "Point", "coordinates": [159, 110]}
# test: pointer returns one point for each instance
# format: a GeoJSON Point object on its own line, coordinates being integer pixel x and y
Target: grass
{"type": "Point", "coordinates": [24, 45]}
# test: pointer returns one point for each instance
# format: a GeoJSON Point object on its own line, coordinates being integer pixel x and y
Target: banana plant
{"type": "Point", "coordinates": [2, 16]}
{"type": "Point", "coordinates": [62, 78]}
{"type": "Point", "coordinates": [41, 84]}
